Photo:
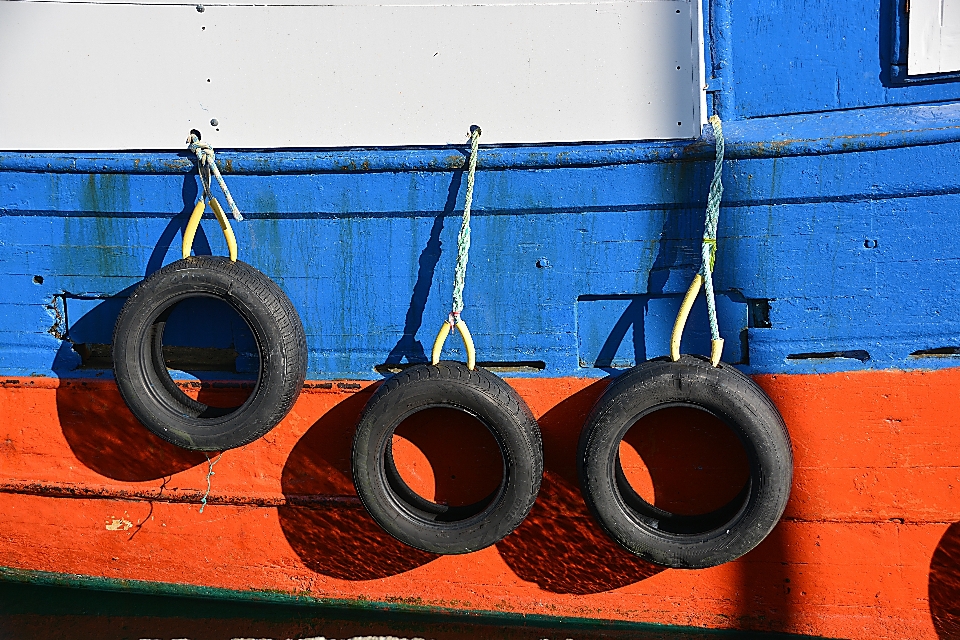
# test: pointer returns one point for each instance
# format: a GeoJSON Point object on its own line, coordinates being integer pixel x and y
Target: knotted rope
{"type": "Point", "coordinates": [708, 256]}
{"type": "Point", "coordinates": [454, 321]}
{"type": "Point", "coordinates": [206, 165]}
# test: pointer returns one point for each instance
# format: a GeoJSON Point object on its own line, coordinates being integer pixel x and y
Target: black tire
{"type": "Point", "coordinates": [146, 385]}
{"type": "Point", "coordinates": [659, 536]}
{"type": "Point", "coordinates": [417, 521]}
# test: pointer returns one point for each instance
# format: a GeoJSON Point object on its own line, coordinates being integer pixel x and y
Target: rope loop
{"type": "Point", "coordinates": [207, 165]}
{"type": "Point", "coordinates": [454, 321]}
{"type": "Point", "coordinates": [708, 257]}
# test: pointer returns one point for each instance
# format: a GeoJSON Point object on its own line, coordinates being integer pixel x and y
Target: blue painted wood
{"type": "Point", "coordinates": [828, 132]}
{"type": "Point", "coordinates": [775, 57]}
{"type": "Point", "coordinates": [835, 248]}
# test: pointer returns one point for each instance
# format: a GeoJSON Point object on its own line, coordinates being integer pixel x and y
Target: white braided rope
{"type": "Point", "coordinates": [463, 238]}
{"type": "Point", "coordinates": [708, 249]}
{"type": "Point", "coordinates": [207, 165]}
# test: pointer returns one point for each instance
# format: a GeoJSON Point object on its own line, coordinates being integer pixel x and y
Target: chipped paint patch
{"type": "Point", "coordinates": [119, 524]}
{"type": "Point", "coordinates": [57, 312]}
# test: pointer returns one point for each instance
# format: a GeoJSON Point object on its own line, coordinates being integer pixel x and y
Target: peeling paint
{"type": "Point", "coordinates": [119, 524]}
{"type": "Point", "coordinates": [57, 310]}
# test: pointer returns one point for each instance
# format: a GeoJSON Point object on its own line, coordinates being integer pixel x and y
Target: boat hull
{"type": "Point", "coordinates": [868, 545]}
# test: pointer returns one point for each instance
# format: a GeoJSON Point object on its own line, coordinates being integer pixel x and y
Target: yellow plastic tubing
{"type": "Point", "coordinates": [716, 346]}
{"type": "Point", "coordinates": [194, 223]}
{"type": "Point", "coordinates": [467, 341]}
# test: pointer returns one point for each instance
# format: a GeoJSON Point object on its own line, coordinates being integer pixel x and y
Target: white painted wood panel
{"type": "Point", "coordinates": [113, 75]}
{"type": "Point", "coordinates": [933, 44]}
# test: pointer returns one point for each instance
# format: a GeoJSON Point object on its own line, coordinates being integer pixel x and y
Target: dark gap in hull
{"type": "Point", "coordinates": [497, 366]}
{"type": "Point", "coordinates": [853, 354]}
{"type": "Point", "coordinates": [758, 313]}
{"type": "Point", "coordinates": [937, 352]}
{"type": "Point", "coordinates": [100, 356]}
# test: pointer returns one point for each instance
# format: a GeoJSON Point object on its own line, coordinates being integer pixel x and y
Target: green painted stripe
{"type": "Point", "coordinates": [25, 592]}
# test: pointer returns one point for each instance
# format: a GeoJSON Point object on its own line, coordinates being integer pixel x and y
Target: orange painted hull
{"type": "Point", "coordinates": [869, 546]}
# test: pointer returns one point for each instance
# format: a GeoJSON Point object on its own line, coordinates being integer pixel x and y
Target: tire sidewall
{"type": "Point", "coordinates": [518, 441]}
{"type": "Point", "coordinates": [721, 391]}
{"type": "Point", "coordinates": [141, 385]}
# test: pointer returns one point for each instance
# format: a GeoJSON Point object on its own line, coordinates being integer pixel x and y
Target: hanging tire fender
{"type": "Point", "coordinates": [415, 520]}
{"type": "Point", "coordinates": [656, 535]}
{"type": "Point", "coordinates": [145, 383]}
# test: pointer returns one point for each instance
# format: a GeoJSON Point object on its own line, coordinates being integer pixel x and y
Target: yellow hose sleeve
{"type": "Point", "coordinates": [682, 315]}
{"type": "Point", "coordinates": [716, 350]}
{"type": "Point", "coordinates": [438, 343]}
{"type": "Point", "coordinates": [226, 228]}
{"type": "Point", "coordinates": [191, 231]}
{"type": "Point", "coordinates": [468, 343]}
